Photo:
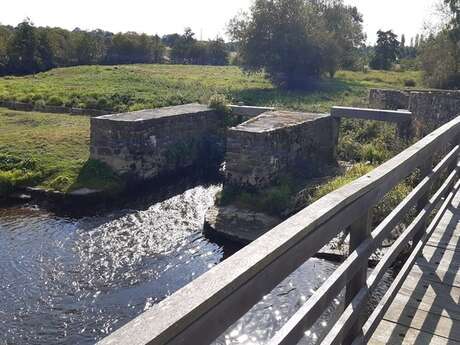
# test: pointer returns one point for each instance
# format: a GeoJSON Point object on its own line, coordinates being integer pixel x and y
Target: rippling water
{"type": "Point", "coordinates": [73, 281]}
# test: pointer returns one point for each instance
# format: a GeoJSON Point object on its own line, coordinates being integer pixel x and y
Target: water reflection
{"type": "Point", "coordinates": [73, 281]}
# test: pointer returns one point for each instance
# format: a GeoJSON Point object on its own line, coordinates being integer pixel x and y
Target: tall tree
{"type": "Point", "coordinates": [23, 54]}
{"type": "Point", "coordinates": [295, 41]}
{"type": "Point", "coordinates": [182, 50]}
{"type": "Point", "coordinates": [5, 34]}
{"type": "Point", "coordinates": [217, 52]}
{"type": "Point", "coordinates": [386, 50]}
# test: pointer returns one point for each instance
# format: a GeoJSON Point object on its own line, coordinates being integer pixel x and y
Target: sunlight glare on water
{"type": "Point", "coordinates": [74, 281]}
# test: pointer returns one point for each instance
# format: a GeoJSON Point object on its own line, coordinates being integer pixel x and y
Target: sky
{"type": "Point", "coordinates": [207, 18]}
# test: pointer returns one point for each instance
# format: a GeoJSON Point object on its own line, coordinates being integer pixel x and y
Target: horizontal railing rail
{"type": "Point", "coordinates": [201, 311]}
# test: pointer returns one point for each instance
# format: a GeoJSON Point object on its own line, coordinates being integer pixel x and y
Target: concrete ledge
{"type": "Point", "coordinates": [249, 111]}
{"type": "Point", "coordinates": [396, 116]}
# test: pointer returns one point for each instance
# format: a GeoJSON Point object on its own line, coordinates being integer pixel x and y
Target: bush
{"type": "Point", "coordinates": [9, 180]}
{"type": "Point", "coordinates": [219, 103]}
{"type": "Point", "coordinates": [55, 101]}
{"type": "Point", "coordinates": [374, 154]}
{"type": "Point", "coordinates": [410, 83]}
{"type": "Point", "coordinates": [61, 183]}
{"type": "Point", "coordinates": [349, 149]}
{"type": "Point", "coordinates": [40, 104]}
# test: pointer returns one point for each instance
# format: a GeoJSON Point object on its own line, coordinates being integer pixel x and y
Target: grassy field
{"type": "Point", "coordinates": [132, 87]}
{"type": "Point", "coordinates": [52, 151]}
{"type": "Point", "coordinates": [48, 150]}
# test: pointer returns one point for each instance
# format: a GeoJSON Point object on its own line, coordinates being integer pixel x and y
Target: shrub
{"type": "Point", "coordinates": [349, 149]}
{"type": "Point", "coordinates": [40, 104]}
{"type": "Point", "coordinates": [55, 101]}
{"type": "Point", "coordinates": [103, 103]}
{"type": "Point", "coordinates": [12, 178]}
{"type": "Point", "coordinates": [374, 154]}
{"type": "Point", "coordinates": [219, 103]}
{"type": "Point", "coordinates": [27, 98]}
{"type": "Point", "coordinates": [61, 183]}
{"type": "Point", "coordinates": [410, 83]}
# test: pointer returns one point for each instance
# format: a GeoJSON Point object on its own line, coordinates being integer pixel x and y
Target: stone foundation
{"type": "Point", "coordinates": [277, 143]}
{"type": "Point", "coordinates": [150, 143]}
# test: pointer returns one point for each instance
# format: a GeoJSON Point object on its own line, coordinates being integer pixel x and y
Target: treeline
{"type": "Point", "coordinates": [392, 51]}
{"type": "Point", "coordinates": [27, 49]}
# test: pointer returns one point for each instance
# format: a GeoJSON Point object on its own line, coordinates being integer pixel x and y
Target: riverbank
{"type": "Point", "coordinates": [50, 152]}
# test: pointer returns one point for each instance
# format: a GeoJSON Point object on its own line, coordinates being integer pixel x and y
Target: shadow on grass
{"type": "Point", "coordinates": [327, 90]}
{"type": "Point", "coordinates": [98, 176]}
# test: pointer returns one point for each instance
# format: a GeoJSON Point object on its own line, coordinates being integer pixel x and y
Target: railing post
{"type": "Point", "coordinates": [359, 232]}
{"type": "Point", "coordinates": [425, 169]}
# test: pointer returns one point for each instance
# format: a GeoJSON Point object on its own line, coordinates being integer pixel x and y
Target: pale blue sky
{"type": "Point", "coordinates": [207, 18]}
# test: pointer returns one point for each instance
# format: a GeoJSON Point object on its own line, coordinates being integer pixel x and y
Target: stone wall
{"type": "Point", "coordinates": [55, 109]}
{"type": "Point", "coordinates": [389, 99]}
{"type": "Point", "coordinates": [149, 143]}
{"type": "Point", "coordinates": [430, 108]}
{"type": "Point", "coordinates": [276, 143]}
{"type": "Point", "coordinates": [433, 109]}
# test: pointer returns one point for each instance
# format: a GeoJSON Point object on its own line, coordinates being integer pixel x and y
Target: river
{"type": "Point", "coordinates": [74, 280]}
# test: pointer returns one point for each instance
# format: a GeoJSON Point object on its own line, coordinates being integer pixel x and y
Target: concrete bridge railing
{"type": "Point", "coordinates": [402, 118]}
{"type": "Point", "coordinates": [205, 308]}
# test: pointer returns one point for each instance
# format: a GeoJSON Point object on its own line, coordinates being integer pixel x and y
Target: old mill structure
{"type": "Point", "coordinates": [148, 144]}
{"type": "Point", "coordinates": [151, 143]}
{"type": "Point", "coordinates": [261, 149]}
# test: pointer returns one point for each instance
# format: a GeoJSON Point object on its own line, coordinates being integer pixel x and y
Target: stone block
{"type": "Point", "coordinates": [149, 143]}
{"type": "Point", "coordinates": [277, 143]}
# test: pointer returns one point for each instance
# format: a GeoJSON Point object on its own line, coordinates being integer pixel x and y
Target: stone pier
{"type": "Point", "coordinates": [150, 143]}
{"type": "Point", "coordinates": [277, 143]}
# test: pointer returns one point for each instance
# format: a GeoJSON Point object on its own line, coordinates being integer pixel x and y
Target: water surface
{"type": "Point", "coordinates": [67, 280]}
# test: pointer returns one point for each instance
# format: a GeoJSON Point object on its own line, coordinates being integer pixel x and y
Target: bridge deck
{"type": "Point", "coordinates": [427, 307]}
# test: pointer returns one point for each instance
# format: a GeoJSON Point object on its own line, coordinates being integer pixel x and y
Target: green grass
{"type": "Point", "coordinates": [385, 206]}
{"type": "Point", "coordinates": [50, 151]}
{"type": "Point", "coordinates": [132, 87]}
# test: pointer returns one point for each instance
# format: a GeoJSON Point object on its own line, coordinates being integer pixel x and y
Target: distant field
{"type": "Point", "coordinates": [132, 87]}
